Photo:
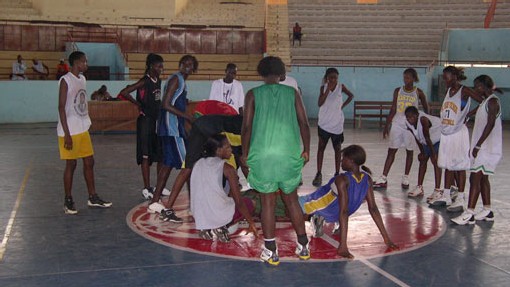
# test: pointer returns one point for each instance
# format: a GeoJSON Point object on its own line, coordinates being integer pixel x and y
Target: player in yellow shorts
{"type": "Point", "coordinates": [72, 129]}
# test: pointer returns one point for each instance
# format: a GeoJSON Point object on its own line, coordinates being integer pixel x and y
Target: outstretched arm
{"type": "Point", "coordinates": [233, 180]}
{"type": "Point", "coordinates": [376, 216]}
{"type": "Point", "coordinates": [342, 183]}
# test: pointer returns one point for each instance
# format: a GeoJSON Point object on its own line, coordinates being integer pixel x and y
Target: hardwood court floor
{"type": "Point", "coordinates": [43, 247]}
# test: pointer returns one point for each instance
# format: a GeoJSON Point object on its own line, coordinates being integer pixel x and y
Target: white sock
{"type": "Point", "coordinates": [487, 207]}
{"type": "Point", "coordinates": [471, 210]}
{"type": "Point", "coordinates": [446, 193]}
{"type": "Point", "coordinates": [460, 195]}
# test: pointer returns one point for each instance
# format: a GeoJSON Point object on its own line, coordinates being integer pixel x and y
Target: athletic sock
{"type": "Point", "coordinates": [460, 195]}
{"type": "Point", "coordinates": [487, 207]}
{"type": "Point", "coordinates": [270, 244]}
{"type": "Point", "coordinates": [446, 192]}
{"type": "Point", "coordinates": [471, 210]}
{"type": "Point", "coordinates": [302, 239]}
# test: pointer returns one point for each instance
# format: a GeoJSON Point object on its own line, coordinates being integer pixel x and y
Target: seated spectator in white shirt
{"type": "Point", "coordinates": [229, 90]}
{"type": "Point", "coordinates": [18, 70]}
{"type": "Point", "coordinates": [40, 69]}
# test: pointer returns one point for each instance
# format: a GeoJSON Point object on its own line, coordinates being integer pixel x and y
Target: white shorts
{"type": "Point", "coordinates": [400, 137]}
{"type": "Point", "coordinates": [485, 162]}
{"type": "Point", "coordinates": [454, 151]}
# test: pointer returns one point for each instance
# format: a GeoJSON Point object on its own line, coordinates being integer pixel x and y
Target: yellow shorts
{"type": "Point", "coordinates": [82, 147]}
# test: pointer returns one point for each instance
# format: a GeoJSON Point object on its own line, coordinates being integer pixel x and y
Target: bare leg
{"type": "Point", "coordinates": [146, 172]}
{"type": "Point", "coordinates": [320, 153]}
{"type": "Point", "coordinates": [461, 179]}
{"type": "Point", "coordinates": [163, 175]}
{"type": "Point", "coordinates": [486, 190]}
{"type": "Point", "coordinates": [409, 161]}
{"type": "Point", "coordinates": [183, 176]}
{"type": "Point", "coordinates": [88, 173]}
{"type": "Point", "coordinates": [338, 157]}
{"type": "Point", "coordinates": [389, 160]}
{"type": "Point", "coordinates": [267, 214]}
{"type": "Point", "coordinates": [295, 212]}
{"type": "Point", "coordinates": [474, 188]}
{"type": "Point", "coordinates": [68, 176]}
{"type": "Point", "coordinates": [437, 176]}
{"type": "Point", "coordinates": [448, 178]}
{"type": "Point", "coordinates": [422, 170]}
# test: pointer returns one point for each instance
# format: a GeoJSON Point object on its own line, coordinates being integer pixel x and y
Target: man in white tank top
{"type": "Point", "coordinates": [486, 152]}
{"type": "Point", "coordinates": [229, 90]}
{"type": "Point", "coordinates": [72, 129]}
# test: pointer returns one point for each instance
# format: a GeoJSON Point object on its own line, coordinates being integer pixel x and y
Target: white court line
{"type": "Point", "coordinates": [395, 280]}
{"type": "Point", "coordinates": [8, 228]}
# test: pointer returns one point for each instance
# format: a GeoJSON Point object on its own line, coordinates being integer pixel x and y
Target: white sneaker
{"type": "Point", "coordinates": [381, 182]}
{"type": "Point", "coordinates": [303, 252]}
{"type": "Point", "coordinates": [405, 181]}
{"type": "Point", "coordinates": [155, 207]}
{"type": "Point", "coordinates": [443, 200]}
{"type": "Point", "coordinates": [458, 205]}
{"type": "Point", "coordinates": [147, 193]}
{"type": "Point", "coordinates": [485, 214]}
{"type": "Point", "coordinates": [466, 217]}
{"type": "Point", "coordinates": [166, 192]}
{"type": "Point", "coordinates": [416, 192]}
{"type": "Point", "coordinates": [270, 256]}
{"type": "Point", "coordinates": [435, 194]}
{"type": "Point", "coordinates": [454, 191]}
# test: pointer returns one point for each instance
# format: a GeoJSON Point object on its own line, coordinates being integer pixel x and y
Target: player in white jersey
{"type": "Point", "coordinates": [427, 132]}
{"type": "Point", "coordinates": [331, 120]}
{"type": "Point", "coordinates": [486, 151]}
{"type": "Point", "coordinates": [453, 154]}
{"type": "Point", "coordinates": [403, 97]}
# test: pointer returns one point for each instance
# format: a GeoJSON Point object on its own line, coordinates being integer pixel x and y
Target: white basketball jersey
{"type": "Point", "coordinates": [404, 100]}
{"type": "Point", "coordinates": [452, 116]}
{"type": "Point", "coordinates": [331, 116]}
{"type": "Point", "coordinates": [76, 108]}
{"type": "Point", "coordinates": [434, 130]}
{"type": "Point", "coordinates": [493, 143]}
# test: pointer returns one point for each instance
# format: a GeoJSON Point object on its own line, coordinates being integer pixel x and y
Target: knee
{"type": "Point", "coordinates": [88, 162]}
{"type": "Point", "coordinates": [71, 165]}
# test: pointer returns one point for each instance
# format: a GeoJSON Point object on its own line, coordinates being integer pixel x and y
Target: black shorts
{"type": "Point", "coordinates": [335, 139]}
{"type": "Point", "coordinates": [148, 144]}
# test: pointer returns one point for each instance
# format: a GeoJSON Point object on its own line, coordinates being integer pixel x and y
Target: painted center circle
{"type": "Point", "coordinates": [409, 224]}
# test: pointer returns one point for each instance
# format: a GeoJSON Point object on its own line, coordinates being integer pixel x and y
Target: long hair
{"type": "Point", "coordinates": [488, 83]}
{"type": "Point", "coordinates": [358, 156]}
{"type": "Point", "coordinates": [212, 144]}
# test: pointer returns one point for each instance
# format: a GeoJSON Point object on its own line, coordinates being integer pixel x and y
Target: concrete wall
{"type": "Point", "coordinates": [36, 101]}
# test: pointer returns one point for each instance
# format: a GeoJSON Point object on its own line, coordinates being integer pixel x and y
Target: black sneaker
{"type": "Point", "coordinates": [69, 206]}
{"type": "Point", "coordinates": [206, 234]}
{"type": "Point", "coordinates": [222, 234]}
{"type": "Point", "coordinates": [96, 201]}
{"type": "Point", "coordinates": [169, 215]}
{"type": "Point", "coordinates": [317, 181]}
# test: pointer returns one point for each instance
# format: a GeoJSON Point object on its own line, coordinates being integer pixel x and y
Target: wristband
{"type": "Point", "coordinates": [478, 147]}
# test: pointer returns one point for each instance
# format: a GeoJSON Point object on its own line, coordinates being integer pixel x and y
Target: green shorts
{"type": "Point", "coordinates": [286, 187]}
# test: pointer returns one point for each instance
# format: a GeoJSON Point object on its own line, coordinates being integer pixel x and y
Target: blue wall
{"type": "Point", "coordinates": [102, 54]}
{"type": "Point", "coordinates": [476, 45]}
{"type": "Point", "coordinates": [36, 101]}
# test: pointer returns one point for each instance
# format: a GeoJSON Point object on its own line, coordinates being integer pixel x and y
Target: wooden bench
{"type": "Point", "coordinates": [381, 109]}
{"type": "Point", "coordinates": [370, 109]}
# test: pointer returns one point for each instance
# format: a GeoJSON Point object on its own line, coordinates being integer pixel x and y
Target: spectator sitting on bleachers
{"type": "Point", "coordinates": [18, 69]}
{"type": "Point", "coordinates": [62, 69]}
{"type": "Point", "coordinates": [40, 69]}
{"type": "Point", "coordinates": [101, 94]}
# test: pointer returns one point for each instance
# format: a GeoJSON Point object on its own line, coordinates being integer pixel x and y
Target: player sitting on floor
{"type": "Point", "coordinates": [336, 202]}
{"type": "Point", "coordinates": [216, 206]}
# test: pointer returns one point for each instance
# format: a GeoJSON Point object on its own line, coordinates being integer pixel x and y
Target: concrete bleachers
{"type": "Point", "coordinates": [395, 32]}
{"type": "Point", "coordinates": [211, 66]}
{"type": "Point", "coordinates": [50, 59]}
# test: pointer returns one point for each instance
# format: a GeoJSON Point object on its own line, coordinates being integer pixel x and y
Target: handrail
{"type": "Point", "coordinates": [490, 14]}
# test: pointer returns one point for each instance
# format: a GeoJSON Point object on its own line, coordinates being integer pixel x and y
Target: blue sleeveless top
{"type": "Point", "coordinates": [170, 124]}
{"type": "Point", "coordinates": [324, 201]}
